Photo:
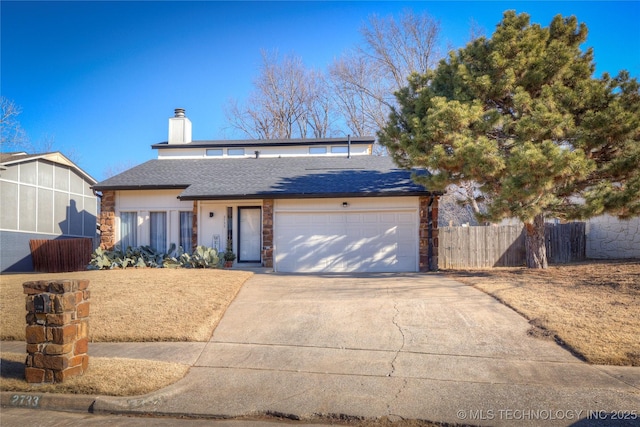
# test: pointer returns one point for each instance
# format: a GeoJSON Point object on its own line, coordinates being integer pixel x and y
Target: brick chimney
{"type": "Point", "coordinates": [179, 128]}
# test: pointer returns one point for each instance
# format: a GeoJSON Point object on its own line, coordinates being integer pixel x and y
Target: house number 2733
{"type": "Point", "coordinates": [25, 400]}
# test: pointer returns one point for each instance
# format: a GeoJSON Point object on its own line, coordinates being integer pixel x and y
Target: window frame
{"type": "Point", "coordinates": [317, 150]}
{"type": "Point", "coordinates": [134, 229]}
{"type": "Point", "coordinates": [188, 237]}
{"type": "Point", "coordinates": [339, 149]}
{"type": "Point", "coordinates": [235, 152]}
{"type": "Point", "coordinates": [162, 239]}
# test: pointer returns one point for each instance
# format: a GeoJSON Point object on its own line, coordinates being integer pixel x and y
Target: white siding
{"type": "Point", "coordinates": [212, 231]}
{"type": "Point", "coordinates": [297, 151]}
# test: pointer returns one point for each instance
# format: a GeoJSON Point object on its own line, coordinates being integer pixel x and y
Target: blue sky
{"type": "Point", "coordinates": [102, 78]}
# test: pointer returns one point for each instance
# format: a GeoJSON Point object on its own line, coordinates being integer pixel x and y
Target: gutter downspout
{"type": "Point", "coordinates": [348, 146]}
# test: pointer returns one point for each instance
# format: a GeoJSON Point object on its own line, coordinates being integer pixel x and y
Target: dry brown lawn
{"type": "Point", "coordinates": [105, 376]}
{"type": "Point", "coordinates": [149, 304]}
{"type": "Point", "coordinates": [126, 305]}
{"type": "Point", "coordinates": [593, 308]}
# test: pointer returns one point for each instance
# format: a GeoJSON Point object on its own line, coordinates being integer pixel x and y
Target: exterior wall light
{"type": "Point", "coordinates": [210, 214]}
{"type": "Point", "coordinates": [345, 204]}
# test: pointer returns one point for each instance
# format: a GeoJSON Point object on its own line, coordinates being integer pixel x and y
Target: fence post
{"type": "Point", "coordinates": [57, 331]}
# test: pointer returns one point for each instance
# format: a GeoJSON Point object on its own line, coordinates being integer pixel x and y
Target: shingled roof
{"type": "Point", "coordinates": [287, 177]}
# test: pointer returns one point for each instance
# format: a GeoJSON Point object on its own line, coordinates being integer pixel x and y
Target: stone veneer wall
{"type": "Point", "coordinates": [194, 232]}
{"type": "Point", "coordinates": [267, 233]}
{"type": "Point", "coordinates": [428, 234]}
{"type": "Point", "coordinates": [108, 220]}
{"type": "Point", "coordinates": [57, 331]}
{"type": "Point", "coordinates": [611, 238]}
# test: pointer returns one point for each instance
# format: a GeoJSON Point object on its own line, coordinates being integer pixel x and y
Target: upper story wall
{"type": "Point", "coordinates": [239, 151]}
{"type": "Point", "coordinates": [41, 196]}
{"type": "Point", "coordinates": [180, 145]}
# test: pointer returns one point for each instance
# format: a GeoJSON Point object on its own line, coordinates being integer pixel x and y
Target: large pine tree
{"type": "Point", "coordinates": [522, 114]}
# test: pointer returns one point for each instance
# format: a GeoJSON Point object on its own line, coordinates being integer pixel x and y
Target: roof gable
{"type": "Point", "coordinates": [7, 159]}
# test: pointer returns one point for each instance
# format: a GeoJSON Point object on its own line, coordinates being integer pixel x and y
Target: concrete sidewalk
{"type": "Point", "coordinates": [410, 346]}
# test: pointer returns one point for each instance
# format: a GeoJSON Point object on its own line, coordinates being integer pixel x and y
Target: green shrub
{"type": "Point", "coordinates": [145, 256]}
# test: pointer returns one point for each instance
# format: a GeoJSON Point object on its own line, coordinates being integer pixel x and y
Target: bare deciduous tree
{"type": "Point", "coordinates": [365, 79]}
{"type": "Point", "coordinates": [320, 111]}
{"type": "Point", "coordinates": [452, 213]}
{"type": "Point", "coordinates": [12, 136]}
{"type": "Point", "coordinates": [288, 101]}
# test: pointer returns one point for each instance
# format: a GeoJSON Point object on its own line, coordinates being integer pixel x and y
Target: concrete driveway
{"type": "Point", "coordinates": [399, 345]}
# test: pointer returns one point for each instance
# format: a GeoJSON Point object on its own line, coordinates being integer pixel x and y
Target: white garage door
{"type": "Point", "coordinates": [315, 242]}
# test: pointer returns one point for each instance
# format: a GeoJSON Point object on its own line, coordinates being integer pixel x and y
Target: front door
{"type": "Point", "coordinates": [250, 233]}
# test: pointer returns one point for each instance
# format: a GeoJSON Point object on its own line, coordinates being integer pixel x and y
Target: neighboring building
{"type": "Point", "coordinates": [321, 205]}
{"type": "Point", "coordinates": [43, 196]}
{"type": "Point", "coordinates": [609, 237]}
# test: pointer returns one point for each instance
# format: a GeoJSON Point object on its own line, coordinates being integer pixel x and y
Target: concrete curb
{"type": "Point", "coordinates": [48, 401]}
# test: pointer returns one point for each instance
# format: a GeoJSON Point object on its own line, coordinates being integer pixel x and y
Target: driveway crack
{"type": "Point", "coordinates": [395, 417]}
{"type": "Point", "coordinates": [395, 322]}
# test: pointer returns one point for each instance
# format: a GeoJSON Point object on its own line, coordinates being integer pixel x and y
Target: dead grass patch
{"type": "Point", "coordinates": [136, 304]}
{"type": "Point", "coordinates": [105, 376]}
{"type": "Point", "coordinates": [592, 307]}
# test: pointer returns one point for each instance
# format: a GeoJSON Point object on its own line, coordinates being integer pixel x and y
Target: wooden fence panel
{"type": "Point", "coordinates": [480, 247]}
{"type": "Point", "coordinates": [565, 242]}
{"type": "Point", "coordinates": [62, 255]}
{"type": "Point", "coordinates": [503, 246]}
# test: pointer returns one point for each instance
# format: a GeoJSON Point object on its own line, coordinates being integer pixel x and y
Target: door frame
{"type": "Point", "coordinates": [240, 209]}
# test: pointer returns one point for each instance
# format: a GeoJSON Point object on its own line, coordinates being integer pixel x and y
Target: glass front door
{"type": "Point", "coordinates": [249, 233]}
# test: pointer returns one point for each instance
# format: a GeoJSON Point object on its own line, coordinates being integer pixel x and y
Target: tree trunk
{"type": "Point", "coordinates": [536, 251]}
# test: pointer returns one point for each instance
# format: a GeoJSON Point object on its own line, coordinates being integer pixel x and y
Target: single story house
{"type": "Point", "coordinates": [42, 196]}
{"type": "Point", "coordinates": [296, 205]}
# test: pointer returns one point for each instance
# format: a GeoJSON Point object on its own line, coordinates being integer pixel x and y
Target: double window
{"type": "Point", "coordinates": [158, 233]}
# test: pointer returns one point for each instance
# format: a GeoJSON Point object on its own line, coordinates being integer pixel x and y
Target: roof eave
{"type": "Point", "coordinates": [262, 143]}
{"type": "Point", "coordinates": [138, 187]}
{"type": "Point", "coordinates": [306, 195]}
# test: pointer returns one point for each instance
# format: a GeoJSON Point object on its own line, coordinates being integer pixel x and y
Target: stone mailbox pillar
{"type": "Point", "coordinates": [57, 331]}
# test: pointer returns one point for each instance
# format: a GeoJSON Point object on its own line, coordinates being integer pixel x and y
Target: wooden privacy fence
{"type": "Point", "coordinates": [503, 246]}
{"type": "Point", "coordinates": [566, 242]}
{"type": "Point", "coordinates": [57, 256]}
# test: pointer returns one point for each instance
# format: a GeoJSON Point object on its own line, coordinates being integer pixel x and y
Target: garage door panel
{"type": "Point", "coordinates": [353, 218]}
{"type": "Point", "coordinates": [346, 241]}
{"type": "Point", "coordinates": [317, 219]}
{"type": "Point", "coordinates": [336, 218]}
{"type": "Point", "coordinates": [388, 218]}
{"type": "Point", "coordinates": [405, 218]}
{"type": "Point", "coordinates": [405, 235]}
{"type": "Point", "coordinates": [370, 218]}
